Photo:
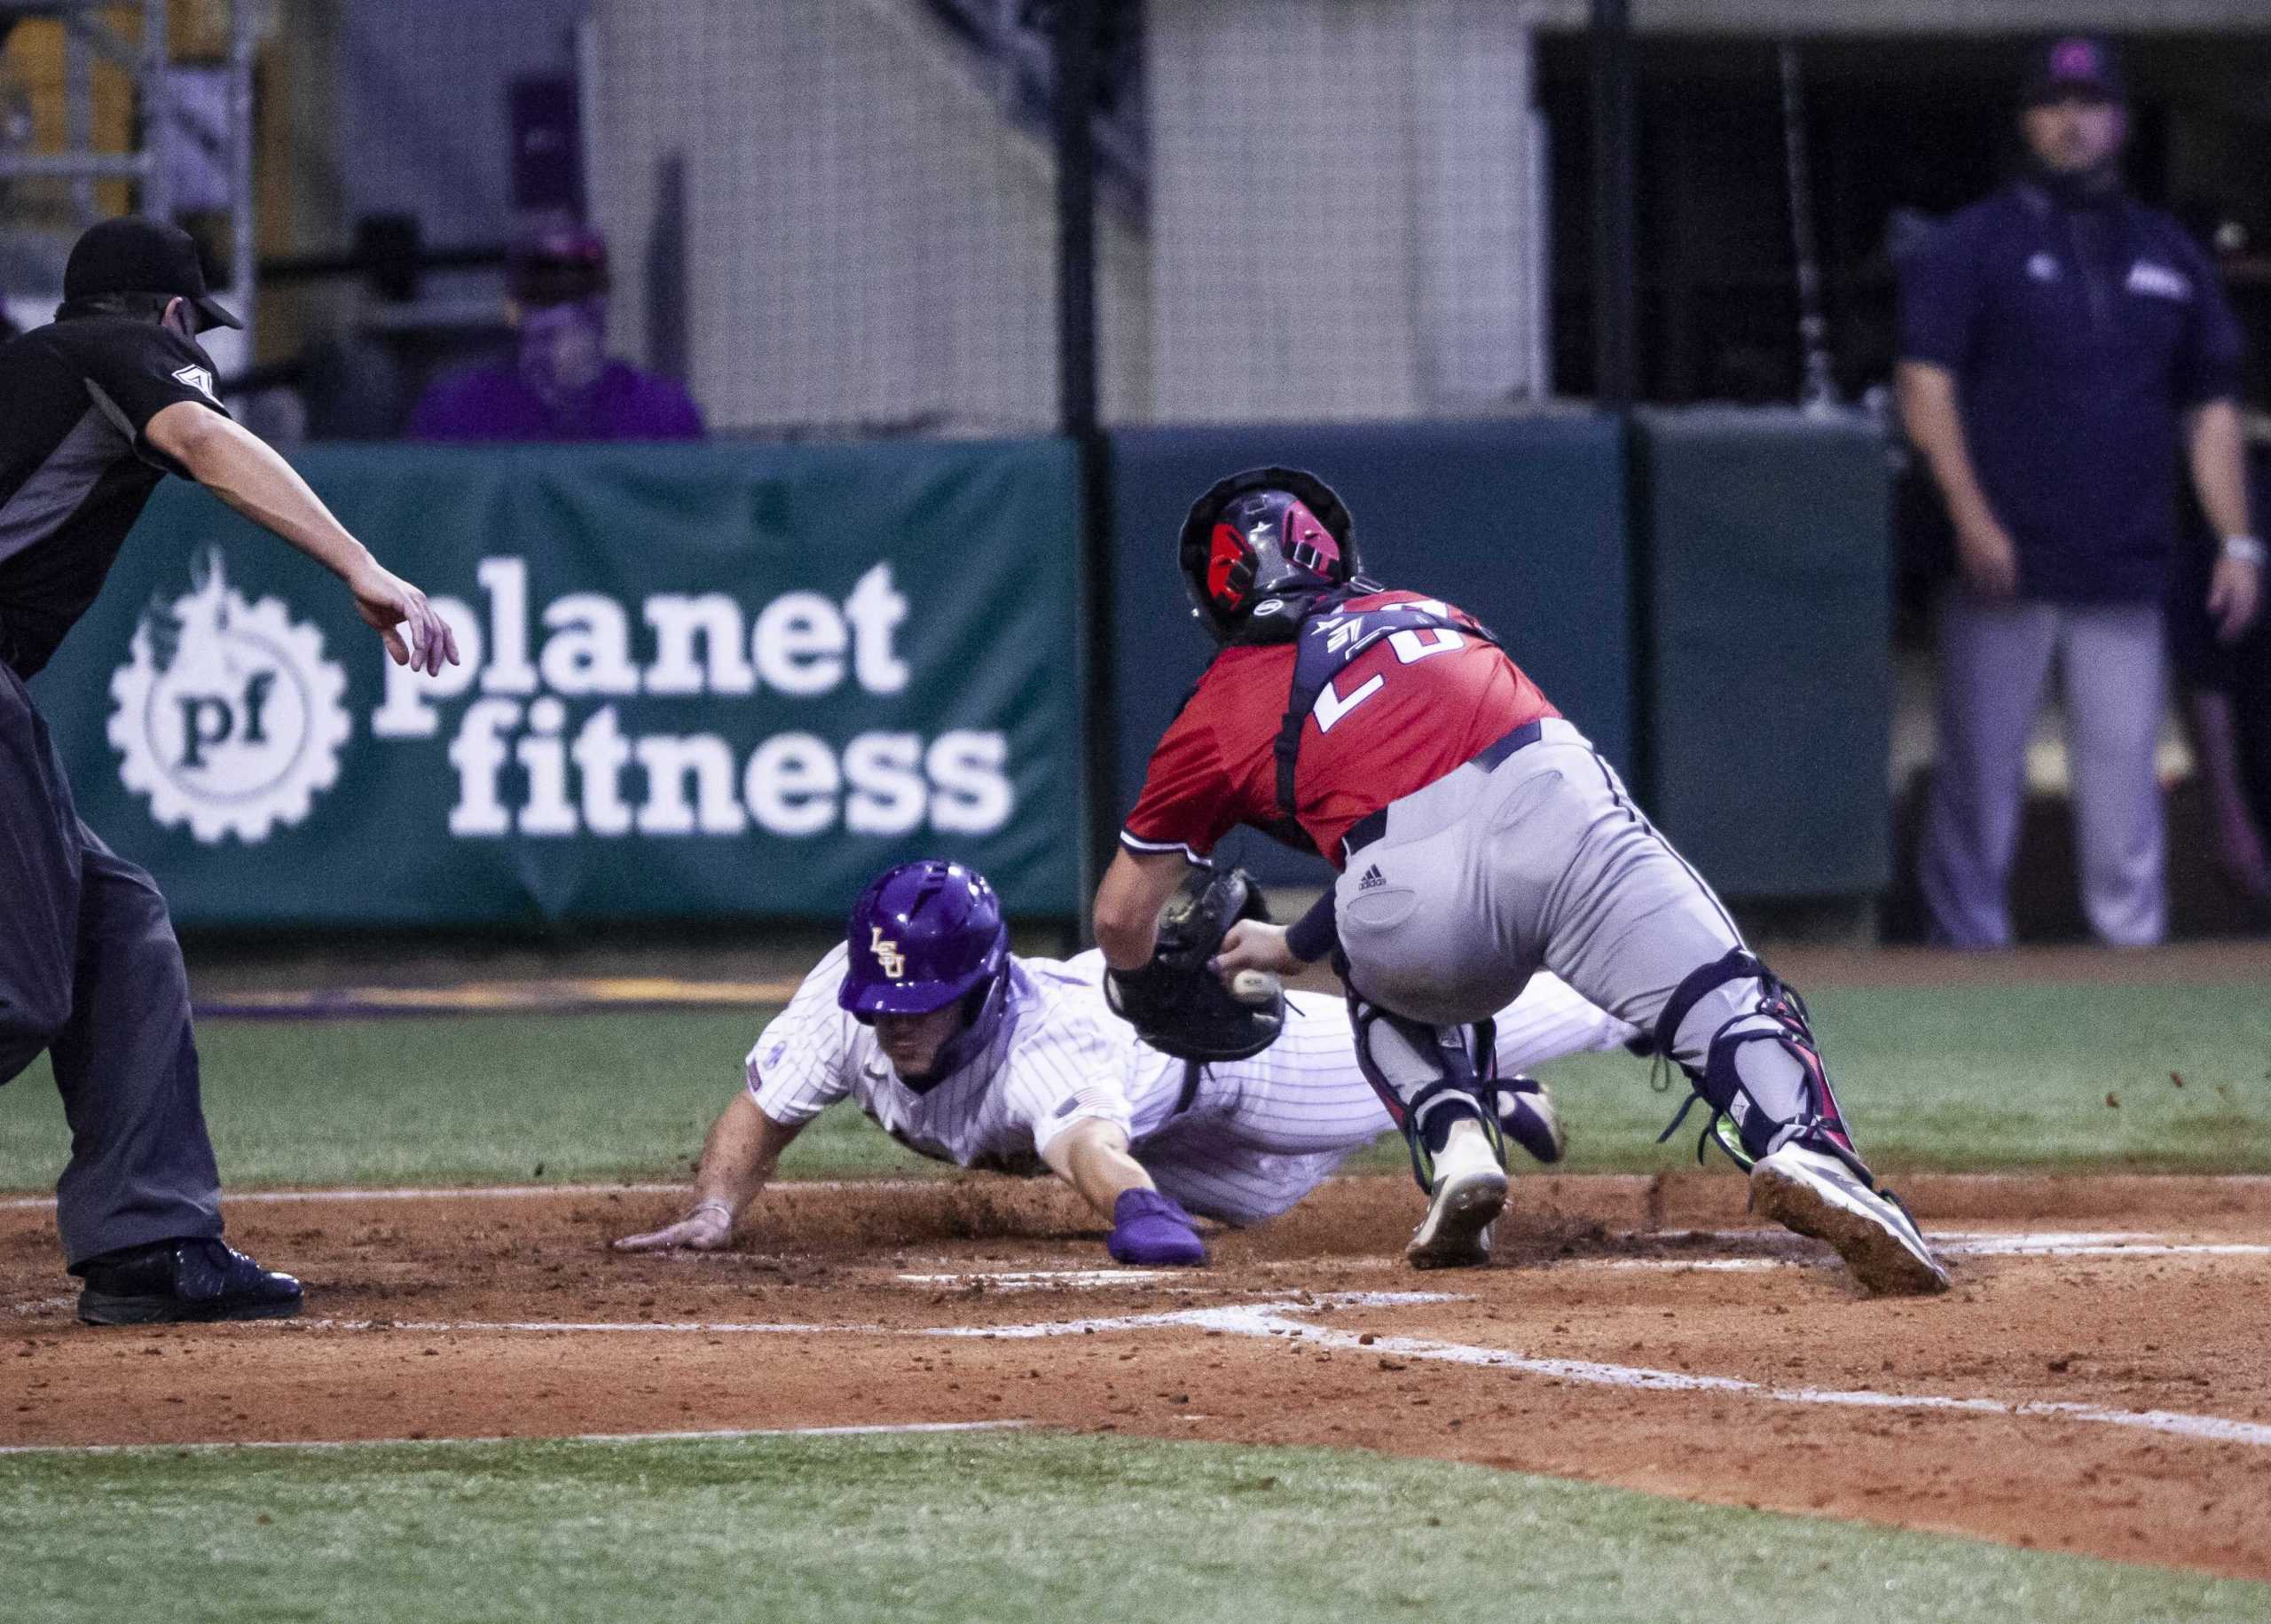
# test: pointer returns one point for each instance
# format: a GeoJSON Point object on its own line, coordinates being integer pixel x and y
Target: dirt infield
{"type": "Point", "coordinates": [2097, 1382]}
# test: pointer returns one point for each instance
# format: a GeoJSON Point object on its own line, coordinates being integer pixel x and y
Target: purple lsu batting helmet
{"type": "Point", "coordinates": [922, 935]}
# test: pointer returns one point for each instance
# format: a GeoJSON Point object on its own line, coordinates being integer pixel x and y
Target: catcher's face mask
{"type": "Point", "coordinates": [1259, 544]}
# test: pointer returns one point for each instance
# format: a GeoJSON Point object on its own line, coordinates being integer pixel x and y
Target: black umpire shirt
{"type": "Point", "coordinates": [76, 397]}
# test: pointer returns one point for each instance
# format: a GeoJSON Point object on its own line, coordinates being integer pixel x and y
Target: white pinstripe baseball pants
{"type": "Point", "coordinates": [1265, 1132]}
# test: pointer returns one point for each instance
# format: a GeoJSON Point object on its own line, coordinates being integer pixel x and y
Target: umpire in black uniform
{"type": "Point", "coordinates": [95, 408]}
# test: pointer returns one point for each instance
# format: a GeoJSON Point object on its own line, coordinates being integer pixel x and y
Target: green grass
{"type": "Point", "coordinates": [470, 1099]}
{"type": "Point", "coordinates": [1991, 1079]}
{"type": "Point", "coordinates": [1000, 1528]}
{"type": "Point", "coordinates": [1954, 1079]}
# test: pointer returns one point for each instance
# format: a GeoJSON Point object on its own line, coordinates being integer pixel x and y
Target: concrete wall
{"type": "Point", "coordinates": [864, 239]}
{"type": "Point", "coordinates": [1341, 209]}
{"type": "Point", "coordinates": [419, 105]}
{"type": "Point", "coordinates": [1337, 223]}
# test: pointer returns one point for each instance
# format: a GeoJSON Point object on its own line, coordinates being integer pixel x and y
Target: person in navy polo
{"type": "Point", "coordinates": [559, 383]}
{"type": "Point", "coordinates": [2063, 351]}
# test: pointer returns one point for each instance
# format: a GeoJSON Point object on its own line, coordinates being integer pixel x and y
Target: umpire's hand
{"type": "Point", "coordinates": [414, 634]}
{"type": "Point", "coordinates": [706, 1228]}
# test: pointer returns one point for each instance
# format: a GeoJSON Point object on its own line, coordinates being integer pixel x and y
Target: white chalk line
{"type": "Point", "coordinates": [1206, 1318]}
{"type": "Point", "coordinates": [1261, 1320]}
{"type": "Point", "coordinates": [2049, 1244]}
{"type": "Point", "coordinates": [2216, 1429]}
{"type": "Point", "coordinates": [1266, 1320]}
{"type": "Point", "coordinates": [492, 1192]}
{"type": "Point", "coordinates": [1050, 1328]}
{"type": "Point", "coordinates": [2086, 1244]}
{"type": "Point", "coordinates": [1716, 1266]}
{"type": "Point", "coordinates": [715, 1434]}
{"type": "Point", "coordinates": [681, 1328]}
{"type": "Point", "coordinates": [1276, 1319]}
{"type": "Point", "coordinates": [1034, 1280]}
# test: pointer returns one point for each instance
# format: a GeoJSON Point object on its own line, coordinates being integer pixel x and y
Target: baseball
{"type": "Point", "coordinates": [1255, 987]}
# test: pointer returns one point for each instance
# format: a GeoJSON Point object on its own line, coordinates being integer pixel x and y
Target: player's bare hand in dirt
{"type": "Point", "coordinates": [414, 634]}
{"type": "Point", "coordinates": [1988, 558]}
{"type": "Point", "coordinates": [1250, 945]}
{"type": "Point", "coordinates": [2234, 594]}
{"type": "Point", "coordinates": [706, 1228]}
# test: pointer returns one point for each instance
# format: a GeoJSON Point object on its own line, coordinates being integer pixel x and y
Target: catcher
{"type": "Point", "coordinates": [1234, 1110]}
{"type": "Point", "coordinates": [1479, 839]}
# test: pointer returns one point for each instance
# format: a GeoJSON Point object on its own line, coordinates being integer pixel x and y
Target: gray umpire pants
{"type": "Point", "coordinates": [91, 972]}
{"type": "Point", "coordinates": [1995, 658]}
{"type": "Point", "coordinates": [1484, 877]}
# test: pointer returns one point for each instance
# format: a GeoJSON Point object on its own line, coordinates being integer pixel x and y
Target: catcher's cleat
{"type": "Point", "coordinates": [1468, 1192]}
{"type": "Point", "coordinates": [1527, 1117]}
{"type": "Point", "coordinates": [182, 1280]}
{"type": "Point", "coordinates": [1819, 1194]}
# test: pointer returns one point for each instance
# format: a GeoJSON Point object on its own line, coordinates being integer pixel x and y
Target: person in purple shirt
{"type": "Point", "coordinates": [2063, 349]}
{"type": "Point", "coordinates": [560, 383]}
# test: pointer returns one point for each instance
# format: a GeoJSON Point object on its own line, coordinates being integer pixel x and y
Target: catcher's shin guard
{"type": "Point", "coordinates": [1426, 1076]}
{"type": "Point", "coordinates": [1745, 1041]}
{"type": "Point", "coordinates": [1773, 1113]}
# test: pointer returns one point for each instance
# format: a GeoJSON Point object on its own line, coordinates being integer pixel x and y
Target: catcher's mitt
{"type": "Point", "coordinates": [1178, 1005]}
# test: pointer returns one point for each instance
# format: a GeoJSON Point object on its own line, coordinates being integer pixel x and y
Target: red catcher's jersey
{"type": "Point", "coordinates": [1403, 714]}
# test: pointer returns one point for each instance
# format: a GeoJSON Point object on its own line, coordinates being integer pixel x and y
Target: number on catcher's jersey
{"type": "Point", "coordinates": [1411, 648]}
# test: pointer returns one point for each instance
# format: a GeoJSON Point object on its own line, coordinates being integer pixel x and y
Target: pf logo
{"type": "Point", "coordinates": [228, 717]}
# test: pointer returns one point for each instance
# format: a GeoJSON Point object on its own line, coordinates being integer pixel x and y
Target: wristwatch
{"type": "Point", "coordinates": [2246, 549]}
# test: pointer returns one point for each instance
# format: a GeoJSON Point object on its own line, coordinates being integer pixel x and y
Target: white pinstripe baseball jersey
{"type": "Point", "coordinates": [1258, 1135]}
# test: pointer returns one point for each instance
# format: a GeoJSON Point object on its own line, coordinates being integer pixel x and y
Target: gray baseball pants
{"type": "Point", "coordinates": [1485, 877]}
{"type": "Point", "coordinates": [91, 972]}
{"type": "Point", "coordinates": [1995, 658]}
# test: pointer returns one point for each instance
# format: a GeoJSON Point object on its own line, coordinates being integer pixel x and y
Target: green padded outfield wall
{"type": "Point", "coordinates": [1768, 537]}
{"type": "Point", "coordinates": [1519, 521]}
{"type": "Point", "coordinates": [725, 680]}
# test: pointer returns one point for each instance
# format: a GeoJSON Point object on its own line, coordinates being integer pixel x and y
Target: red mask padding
{"type": "Point", "coordinates": [1229, 552]}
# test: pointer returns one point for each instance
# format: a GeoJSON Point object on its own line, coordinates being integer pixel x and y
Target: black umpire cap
{"type": "Point", "coordinates": [131, 254]}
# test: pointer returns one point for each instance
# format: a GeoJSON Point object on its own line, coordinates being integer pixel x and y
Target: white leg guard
{"type": "Point", "coordinates": [1744, 1040]}
{"type": "Point", "coordinates": [1745, 1043]}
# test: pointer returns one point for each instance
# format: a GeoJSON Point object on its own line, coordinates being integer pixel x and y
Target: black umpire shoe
{"type": "Point", "coordinates": [184, 1279]}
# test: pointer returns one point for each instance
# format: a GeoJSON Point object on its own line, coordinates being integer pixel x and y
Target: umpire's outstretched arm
{"type": "Point", "coordinates": [244, 471]}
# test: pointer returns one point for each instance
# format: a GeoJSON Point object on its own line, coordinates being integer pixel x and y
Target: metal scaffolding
{"type": "Point", "coordinates": [88, 37]}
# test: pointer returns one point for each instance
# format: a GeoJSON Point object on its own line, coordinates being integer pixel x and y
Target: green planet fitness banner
{"type": "Point", "coordinates": [724, 681]}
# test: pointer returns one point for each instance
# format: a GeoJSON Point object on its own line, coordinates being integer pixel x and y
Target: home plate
{"type": "Point", "coordinates": [1031, 1280]}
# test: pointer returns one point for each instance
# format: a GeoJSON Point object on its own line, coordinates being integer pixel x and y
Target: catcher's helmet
{"type": "Point", "coordinates": [922, 935]}
{"type": "Point", "coordinates": [1257, 545]}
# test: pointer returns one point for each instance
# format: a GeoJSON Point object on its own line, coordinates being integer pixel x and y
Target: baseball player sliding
{"type": "Point", "coordinates": [967, 1054]}
{"type": "Point", "coordinates": [1479, 839]}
